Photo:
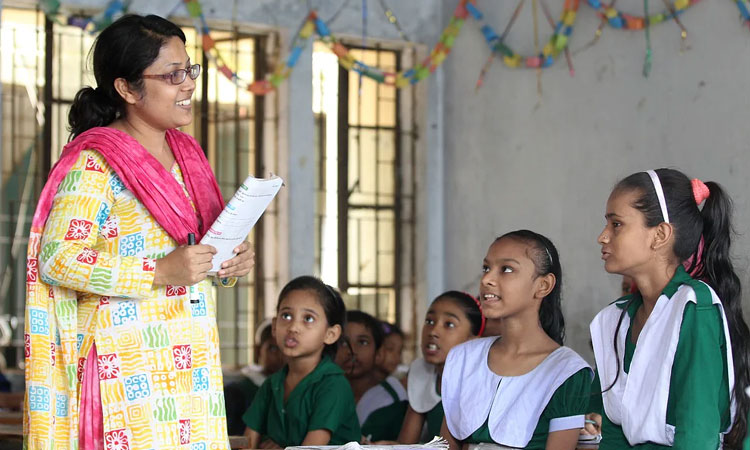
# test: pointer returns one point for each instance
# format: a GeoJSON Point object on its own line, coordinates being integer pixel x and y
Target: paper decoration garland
{"type": "Point", "coordinates": [618, 19]}
{"type": "Point", "coordinates": [405, 77]}
{"type": "Point", "coordinates": [314, 24]}
{"type": "Point", "coordinates": [558, 42]}
{"type": "Point", "coordinates": [466, 8]}
{"type": "Point", "coordinates": [744, 12]}
{"type": "Point", "coordinates": [114, 9]}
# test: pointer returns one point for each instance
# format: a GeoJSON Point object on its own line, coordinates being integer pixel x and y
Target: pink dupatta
{"type": "Point", "coordinates": [149, 181]}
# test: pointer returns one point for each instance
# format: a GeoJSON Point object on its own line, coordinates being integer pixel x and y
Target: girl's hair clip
{"type": "Point", "coordinates": [481, 314]}
{"type": "Point", "coordinates": [700, 190]}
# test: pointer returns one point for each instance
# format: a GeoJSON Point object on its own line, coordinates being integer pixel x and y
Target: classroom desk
{"type": "Point", "coordinates": [239, 442]}
{"type": "Point", "coordinates": [11, 417]}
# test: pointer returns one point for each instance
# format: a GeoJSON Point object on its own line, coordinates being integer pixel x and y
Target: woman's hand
{"type": "Point", "coordinates": [240, 265]}
{"type": "Point", "coordinates": [184, 266]}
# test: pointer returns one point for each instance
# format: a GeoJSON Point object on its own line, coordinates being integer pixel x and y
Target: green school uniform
{"type": "Point", "coordinates": [434, 420]}
{"type": "Point", "coordinates": [698, 405]}
{"type": "Point", "coordinates": [384, 424]}
{"type": "Point", "coordinates": [570, 399]}
{"type": "Point", "coordinates": [323, 400]}
{"type": "Point", "coordinates": [423, 392]}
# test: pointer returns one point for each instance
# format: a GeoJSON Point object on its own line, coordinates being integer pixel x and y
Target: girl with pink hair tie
{"type": "Point", "coordinates": [672, 358]}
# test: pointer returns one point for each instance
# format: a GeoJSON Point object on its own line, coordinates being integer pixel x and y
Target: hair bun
{"type": "Point", "coordinates": [700, 191]}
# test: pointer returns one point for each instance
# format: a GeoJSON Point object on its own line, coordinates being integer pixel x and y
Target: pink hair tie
{"type": "Point", "coordinates": [700, 190]}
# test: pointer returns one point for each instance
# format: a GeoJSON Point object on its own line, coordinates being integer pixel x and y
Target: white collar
{"type": "Point", "coordinates": [421, 386]}
{"type": "Point", "coordinates": [472, 394]}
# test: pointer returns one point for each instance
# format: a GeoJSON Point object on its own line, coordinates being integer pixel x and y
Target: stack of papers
{"type": "Point", "coordinates": [239, 216]}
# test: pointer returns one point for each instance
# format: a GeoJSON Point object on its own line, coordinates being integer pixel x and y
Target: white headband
{"type": "Point", "coordinates": [659, 194]}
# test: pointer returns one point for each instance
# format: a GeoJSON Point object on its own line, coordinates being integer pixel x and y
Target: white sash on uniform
{"type": "Point", "coordinates": [378, 397]}
{"type": "Point", "coordinates": [473, 394]}
{"type": "Point", "coordinates": [421, 386]}
{"type": "Point", "coordinates": [638, 401]}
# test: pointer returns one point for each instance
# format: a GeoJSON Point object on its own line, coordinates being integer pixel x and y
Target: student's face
{"type": "Point", "coordinates": [445, 326]}
{"type": "Point", "coordinates": [510, 284]}
{"type": "Point", "coordinates": [270, 356]}
{"type": "Point", "coordinates": [300, 327]}
{"type": "Point", "coordinates": [390, 353]}
{"type": "Point", "coordinates": [164, 105]}
{"type": "Point", "coordinates": [362, 347]}
{"type": "Point", "coordinates": [626, 240]}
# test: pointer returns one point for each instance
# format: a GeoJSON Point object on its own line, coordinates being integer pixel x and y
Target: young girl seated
{"type": "Point", "coordinates": [381, 405]}
{"type": "Point", "coordinates": [523, 389]}
{"type": "Point", "coordinates": [671, 358]}
{"type": "Point", "coordinates": [453, 317]}
{"type": "Point", "coordinates": [309, 401]}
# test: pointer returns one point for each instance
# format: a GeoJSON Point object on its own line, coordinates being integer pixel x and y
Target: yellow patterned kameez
{"type": "Point", "coordinates": [158, 354]}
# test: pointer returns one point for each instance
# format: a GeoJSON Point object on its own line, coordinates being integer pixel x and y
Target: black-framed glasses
{"type": "Point", "coordinates": [178, 76]}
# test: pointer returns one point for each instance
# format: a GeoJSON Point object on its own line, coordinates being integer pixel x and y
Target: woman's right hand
{"type": "Point", "coordinates": [184, 266]}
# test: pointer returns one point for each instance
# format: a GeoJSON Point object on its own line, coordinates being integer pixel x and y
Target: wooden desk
{"type": "Point", "coordinates": [11, 417]}
{"type": "Point", "coordinates": [12, 431]}
{"type": "Point", "coordinates": [239, 442]}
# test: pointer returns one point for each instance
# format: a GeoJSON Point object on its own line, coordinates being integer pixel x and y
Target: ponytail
{"type": "Point", "coordinates": [718, 271]}
{"type": "Point", "coordinates": [703, 239]}
{"type": "Point", "coordinates": [91, 108]}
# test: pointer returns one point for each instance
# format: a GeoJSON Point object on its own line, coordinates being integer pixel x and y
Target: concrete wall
{"type": "Point", "coordinates": [514, 160]}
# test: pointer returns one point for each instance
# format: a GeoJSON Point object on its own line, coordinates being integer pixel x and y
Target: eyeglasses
{"type": "Point", "coordinates": [178, 76]}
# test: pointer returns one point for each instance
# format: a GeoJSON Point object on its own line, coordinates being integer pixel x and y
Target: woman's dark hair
{"type": "Point", "coordinates": [468, 305]}
{"type": "Point", "coordinates": [391, 328]}
{"type": "Point", "coordinates": [546, 260]}
{"type": "Point", "coordinates": [329, 299]}
{"type": "Point", "coordinates": [122, 50]}
{"type": "Point", "coordinates": [370, 323]}
{"type": "Point", "coordinates": [713, 224]}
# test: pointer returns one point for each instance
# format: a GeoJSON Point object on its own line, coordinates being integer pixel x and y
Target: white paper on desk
{"type": "Point", "coordinates": [239, 216]}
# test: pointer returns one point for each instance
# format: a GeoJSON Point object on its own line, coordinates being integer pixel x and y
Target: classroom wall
{"type": "Point", "coordinates": [516, 160]}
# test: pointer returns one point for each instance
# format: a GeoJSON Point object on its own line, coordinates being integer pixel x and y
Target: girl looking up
{"type": "Point", "coordinates": [523, 389]}
{"type": "Point", "coordinates": [309, 401]}
{"type": "Point", "coordinates": [453, 318]}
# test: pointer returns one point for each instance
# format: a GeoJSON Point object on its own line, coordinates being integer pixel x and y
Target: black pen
{"type": "Point", "coordinates": [194, 297]}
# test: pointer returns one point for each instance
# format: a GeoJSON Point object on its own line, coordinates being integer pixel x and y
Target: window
{"type": "Point", "coordinates": [50, 62]}
{"type": "Point", "coordinates": [365, 183]}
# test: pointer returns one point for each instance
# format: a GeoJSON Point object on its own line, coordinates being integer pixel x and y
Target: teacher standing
{"type": "Point", "coordinates": [116, 354]}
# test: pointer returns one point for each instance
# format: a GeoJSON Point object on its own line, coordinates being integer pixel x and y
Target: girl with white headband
{"type": "Point", "coordinates": [672, 358]}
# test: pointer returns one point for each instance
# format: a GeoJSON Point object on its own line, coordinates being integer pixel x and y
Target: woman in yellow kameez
{"type": "Point", "coordinates": [117, 355]}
